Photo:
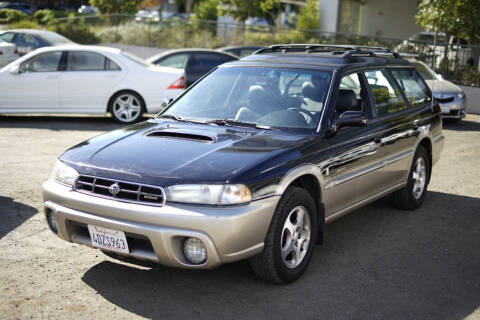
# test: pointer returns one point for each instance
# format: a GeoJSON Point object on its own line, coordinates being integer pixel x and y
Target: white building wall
{"type": "Point", "coordinates": [328, 15]}
{"type": "Point", "coordinates": [389, 18]}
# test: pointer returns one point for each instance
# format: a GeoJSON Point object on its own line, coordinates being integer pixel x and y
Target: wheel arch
{"type": "Point", "coordinates": [427, 144]}
{"type": "Point", "coordinates": [310, 183]}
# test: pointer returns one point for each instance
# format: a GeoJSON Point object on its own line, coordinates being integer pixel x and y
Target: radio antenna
{"type": "Point", "coordinates": [434, 63]}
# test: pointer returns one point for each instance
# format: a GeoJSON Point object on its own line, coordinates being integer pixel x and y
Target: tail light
{"type": "Point", "coordinates": [178, 84]}
{"type": "Point", "coordinates": [1, 52]}
{"type": "Point", "coordinates": [15, 52]}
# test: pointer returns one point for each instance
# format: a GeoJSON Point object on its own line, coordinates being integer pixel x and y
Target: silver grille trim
{"type": "Point", "coordinates": [127, 191]}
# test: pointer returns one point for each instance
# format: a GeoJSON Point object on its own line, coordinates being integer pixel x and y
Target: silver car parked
{"type": "Point", "coordinates": [451, 97]}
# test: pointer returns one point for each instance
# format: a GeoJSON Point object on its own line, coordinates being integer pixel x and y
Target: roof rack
{"type": "Point", "coordinates": [335, 49]}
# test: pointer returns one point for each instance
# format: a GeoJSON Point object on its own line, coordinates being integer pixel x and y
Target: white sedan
{"type": "Point", "coordinates": [8, 53]}
{"type": "Point", "coordinates": [87, 79]}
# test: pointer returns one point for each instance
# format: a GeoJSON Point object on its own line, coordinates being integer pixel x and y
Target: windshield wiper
{"type": "Point", "coordinates": [170, 116]}
{"type": "Point", "coordinates": [238, 123]}
{"type": "Point", "coordinates": [177, 118]}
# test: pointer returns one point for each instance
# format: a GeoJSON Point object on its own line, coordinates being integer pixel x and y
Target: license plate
{"type": "Point", "coordinates": [445, 110]}
{"type": "Point", "coordinates": [109, 239]}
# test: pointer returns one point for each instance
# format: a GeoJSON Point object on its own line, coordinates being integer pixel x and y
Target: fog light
{"type": "Point", "coordinates": [194, 250]}
{"type": "Point", "coordinates": [52, 221]}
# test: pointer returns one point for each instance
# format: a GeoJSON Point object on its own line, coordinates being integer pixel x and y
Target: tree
{"type": "Point", "coordinates": [115, 6]}
{"type": "Point", "coordinates": [242, 9]}
{"type": "Point", "coordinates": [206, 10]}
{"type": "Point", "coordinates": [308, 17]}
{"type": "Point", "coordinates": [454, 17]}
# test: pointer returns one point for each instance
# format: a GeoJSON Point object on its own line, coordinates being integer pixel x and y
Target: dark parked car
{"type": "Point", "coordinates": [196, 62]}
{"type": "Point", "coordinates": [20, 6]}
{"type": "Point", "coordinates": [28, 40]}
{"type": "Point", "coordinates": [253, 160]}
{"type": "Point", "coordinates": [241, 51]}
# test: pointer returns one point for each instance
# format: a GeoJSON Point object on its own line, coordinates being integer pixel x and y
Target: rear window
{"type": "Point", "coordinates": [386, 95]}
{"type": "Point", "coordinates": [415, 90]}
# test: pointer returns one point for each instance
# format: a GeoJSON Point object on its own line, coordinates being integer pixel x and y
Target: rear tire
{"type": "Point", "coordinates": [126, 107]}
{"type": "Point", "coordinates": [412, 195]}
{"type": "Point", "coordinates": [290, 239]}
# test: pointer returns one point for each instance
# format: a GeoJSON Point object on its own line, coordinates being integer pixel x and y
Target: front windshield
{"type": "Point", "coordinates": [269, 97]}
{"type": "Point", "coordinates": [426, 73]}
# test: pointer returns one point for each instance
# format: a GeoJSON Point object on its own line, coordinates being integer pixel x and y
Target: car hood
{"type": "Point", "coordinates": [166, 152]}
{"type": "Point", "coordinates": [442, 86]}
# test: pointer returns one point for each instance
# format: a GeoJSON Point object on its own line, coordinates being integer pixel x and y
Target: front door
{"type": "Point", "coordinates": [35, 88]}
{"type": "Point", "coordinates": [351, 174]}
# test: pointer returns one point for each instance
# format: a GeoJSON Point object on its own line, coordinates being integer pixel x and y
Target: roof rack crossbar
{"type": "Point", "coordinates": [343, 50]}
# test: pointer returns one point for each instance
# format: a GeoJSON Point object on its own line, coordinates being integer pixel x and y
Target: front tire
{"type": "Point", "coordinates": [126, 107]}
{"type": "Point", "coordinates": [290, 239]}
{"type": "Point", "coordinates": [412, 195]}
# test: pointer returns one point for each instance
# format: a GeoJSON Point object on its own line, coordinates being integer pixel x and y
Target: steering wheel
{"type": "Point", "coordinates": [308, 113]}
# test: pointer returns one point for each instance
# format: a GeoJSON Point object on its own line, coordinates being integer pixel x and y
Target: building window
{"type": "Point", "coordinates": [350, 16]}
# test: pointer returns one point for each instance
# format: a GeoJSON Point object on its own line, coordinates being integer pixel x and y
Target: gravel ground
{"type": "Point", "coordinates": [376, 263]}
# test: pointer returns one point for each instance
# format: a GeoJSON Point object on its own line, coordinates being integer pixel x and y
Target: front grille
{"type": "Point", "coordinates": [120, 190]}
{"type": "Point", "coordinates": [445, 100]}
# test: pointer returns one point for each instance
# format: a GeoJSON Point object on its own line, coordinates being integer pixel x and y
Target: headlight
{"type": "Point", "coordinates": [64, 174]}
{"type": "Point", "coordinates": [209, 193]}
{"type": "Point", "coordinates": [461, 95]}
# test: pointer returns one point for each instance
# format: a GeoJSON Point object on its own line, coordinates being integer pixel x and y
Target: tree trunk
{"type": "Point", "coordinates": [188, 7]}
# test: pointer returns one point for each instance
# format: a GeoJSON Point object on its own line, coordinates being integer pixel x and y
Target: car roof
{"type": "Point", "coordinates": [325, 57]}
{"type": "Point", "coordinates": [30, 31]}
{"type": "Point", "coordinates": [79, 47]}
{"type": "Point", "coordinates": [168, 52]}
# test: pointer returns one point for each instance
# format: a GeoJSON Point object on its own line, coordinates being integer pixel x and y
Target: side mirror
{"type": "Point", "coordinates": [166, 102]}
{"type": "Point", "coordinates": [349, 119]}
{"type": "Point", "coordinates": [440, 77]}
{"type": "Point", "coordinates": [15, 69]}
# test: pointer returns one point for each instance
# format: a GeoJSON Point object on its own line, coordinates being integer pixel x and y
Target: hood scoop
{"type": "Point", "coordinates": [182, 135]}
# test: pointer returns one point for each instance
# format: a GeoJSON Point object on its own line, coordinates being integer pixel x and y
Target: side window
{"type": "Point", "coordinates": [204, 62]}
{"type": "Point", "coordinates": [386, 96]}
{"type": "Point", "coordinates": [47, 62]}
{"type": "Point", "coordinates": [178, 61]}
{"type": "Point", "coordinates": [7, 36]}
{"type": "Point", "coordinates": [351, 95]}
{"type": "Point", "coordinates": [414, 88]}
{"type": "Point", "coordinates": [85, 61]}
{"type": "Point", "coordinates": [25, 39]}
{"type": "Point", "coordinates": [111, 66]}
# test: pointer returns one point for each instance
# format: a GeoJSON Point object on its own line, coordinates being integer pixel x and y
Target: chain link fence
{"type": "Point", "coordinates": [457, 61]}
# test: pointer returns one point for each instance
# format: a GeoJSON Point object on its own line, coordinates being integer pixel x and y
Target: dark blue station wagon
{"type": "Point", "coordinates": [253, 160]}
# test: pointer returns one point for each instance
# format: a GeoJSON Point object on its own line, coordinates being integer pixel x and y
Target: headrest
{"type": "Point", "coordinates": [346, 100]}
{"type": "Point", "coordinates": [308, 90]}
{"type": "Point", "coordinates": [257, 95]}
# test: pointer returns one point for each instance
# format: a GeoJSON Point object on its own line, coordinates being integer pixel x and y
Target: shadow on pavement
{"type": "Point", "coordinates": [461, 125]}
{"type": "Point", "coordinates": [13, 214]}
{"type": "Point", "coordinates": [376, 263]}
{"type": "Point", "coordinates": [60, 123]}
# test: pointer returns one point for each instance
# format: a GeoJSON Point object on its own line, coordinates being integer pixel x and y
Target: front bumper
{"type": "Point", "coordinates": [157, 233]}
{"type": "Point", "coordinates": [454, 110]}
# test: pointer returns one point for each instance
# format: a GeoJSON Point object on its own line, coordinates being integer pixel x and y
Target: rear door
{"type": "Point", "coordinates": [87, 82]}
{"type": "Point", "coordinates": [35, 88]}
{"type": "Point", "coordinates": [399, 125]}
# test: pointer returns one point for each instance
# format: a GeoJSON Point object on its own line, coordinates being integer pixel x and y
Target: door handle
{"type": "Point", "coordinates": [52, 77]}
{"type": "Point", "coordinates": [112, 76]}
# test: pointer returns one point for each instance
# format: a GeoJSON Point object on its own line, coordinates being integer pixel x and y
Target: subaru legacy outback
{"type": "Point", "coordinates": [252, 161]}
